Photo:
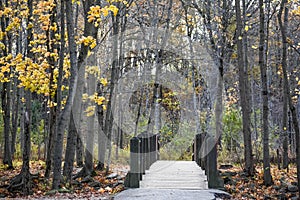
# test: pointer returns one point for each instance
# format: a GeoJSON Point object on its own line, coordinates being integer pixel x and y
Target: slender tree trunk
{"type": "Point", "coordinates": [5, 97]}
{"type": "Point", "coordinates": [283, 27]}
{"type": "Point", "coordinates": [244, 90]}
{"type": "Point", "coordinates": [23, 180]}
{"type": "Point", "coordinates": [101, 136]}
{"type": "Point", "coordinates": [72, 131]}
{"type": "Point", "coordinates": [285, 156]}
{"type": "Point", "coordinates": [265, 108]}
{"type": "Point", "coordinates": [6, 118]}
{"type": "Point", "coordinates": [89, 164]}
{"type": "Point", "coordinates": [285, 92]}
{"type": "Point", "coordinates": [64, 116]}
{"type": "Point", "coordinates": [114, 76]}
{"type": "Point", "coordinates": [15, 116]}
{"type": "Point", "coordinates": [70, 149]}
{"type": "Point", "coordinates": [79, 150]}
{"type": "Point", "coordinates": [54, 109]}
{"type": "Point", "coordinates": [89, 30]}
{"type": "Point", "coordinates": [50, 144]}
{"type": "Point", "coordinates": [26, 150]}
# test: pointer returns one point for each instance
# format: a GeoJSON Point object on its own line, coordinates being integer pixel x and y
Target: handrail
{"type": "Point", "coordinates": [205, 155]}
{"type": "Point", "coordinates": [144, 151]}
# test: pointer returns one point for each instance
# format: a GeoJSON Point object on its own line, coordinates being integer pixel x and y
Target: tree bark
{"type": "Point", "coordinates": [89, 30]}
{"type": "Point", "coordinates": [265, 101]}
{"type": "Point", "coordinates": [23, 180]}
{"type": "Point", "coordinates": [101, 136]}
{"type": "Point", "coordinates": [5, 97]}
{"type": "Point", "coordinates": [283, 27]}
{"type": "Point", "coordinates": [114, 76]}
{"type": "Point", "coordinates": [54, 110]}
{"type": "Point", "coordinates": [89, 165]}
{"type": "Point", "coordinates": [64, 116]}
{"type": "Point", "coordinates": [244, 91]}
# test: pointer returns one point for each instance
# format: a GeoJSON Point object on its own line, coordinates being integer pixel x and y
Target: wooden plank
{"type": "Point", "coordinates": [175, 175]}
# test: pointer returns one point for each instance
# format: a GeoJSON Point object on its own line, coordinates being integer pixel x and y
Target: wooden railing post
{"type": "Point", "coordinates": [144, 151]}
{"type": "Point", "coordinates": [157, 147]}
{"type": "Point", "coordinates": [205, 155]}
{"type": "Point", "coordinates": [153, 149]}
{"type": "Point", "coordinates": [134, 177]}
{"type": "Point", "coordinates": [203, 151]}
{"type": "Point", "coordinates": [213, 176]}
{"type": "Point", "coordinates": [147, 151]}
{"type": "Point", "coordinates": [197, 147]}
{"type": "Point", "coordinates": [142, 156]}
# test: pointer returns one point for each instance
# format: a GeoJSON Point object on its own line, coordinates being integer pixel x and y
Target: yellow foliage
{"type": "Point", "coordinates": [94, 15]}
{"type": "Point", "coordinates": [88, 41]}
{"type": "Point", "coordinates": [51, 104]}
{"type": "Point", "coordinates": [93, 70]}
{"type": "Point", "coordinates": [103, 81]}
{"type": "Point", "coordinates": [296, 11]}
{"type": "Point", "coordinates": [99, 100]}
{"type": "Point", "coordinates": [90, 111]}
{"type": "Point", "coordinates": [84, 97]}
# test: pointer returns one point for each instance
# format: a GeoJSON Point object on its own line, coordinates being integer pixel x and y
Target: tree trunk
{"type": "Point", "coordinates": [264, 92]}
{"type": "Point", "coordinates": [244, 91]}
{"type": "Point", "coordinates": [89, 150]}
{"type": "Point", "coordinates": [79, 150]}
{"type": "Point", "coordinates": [102, 140]}
{"type": "Point", "coordinates": [64, 116]}
{"type": "Point", "coordinates": [54, 110]}
{"type": "Point", "coordinates": [23, 180]}
{"type": "Point", "coordinates": [283, 28]}
{"type": "Point", "coordinates": [5, 97]}
{"type": "Point", "coordinates": [15, 117]}
{"type": "Point", "coordinates": [74, 133]}
{"type": "Point", "coordinates": [70, 150]}
{"type": "Point", "coordinates": [114, 76]}
{"type": "Point", "coordinates": [50, 144]}
{"type": "Point", "coordinates": [26, 150]}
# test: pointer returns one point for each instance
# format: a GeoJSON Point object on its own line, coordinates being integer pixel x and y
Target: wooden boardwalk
{"type": "Point", "coordinates": [174, 175]}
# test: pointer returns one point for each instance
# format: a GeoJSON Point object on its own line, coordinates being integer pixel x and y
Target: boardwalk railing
{"type": "Point", "coordinates": [205, 155]}
{"type": "Point", "coordinates": [144, 151]}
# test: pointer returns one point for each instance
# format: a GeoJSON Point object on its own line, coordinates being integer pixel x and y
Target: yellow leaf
{"type": "Point", "coordinates": [103, 81]}
{"type": "Point", "coordinates": [246, 28]}
{"type": "Point", "coordinates": [93, 45]}
{"type": "Point", "coordinates": [254, 47]}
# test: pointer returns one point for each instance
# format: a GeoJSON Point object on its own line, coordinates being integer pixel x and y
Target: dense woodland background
{"type": "Point", "coordinates": [57, 88]}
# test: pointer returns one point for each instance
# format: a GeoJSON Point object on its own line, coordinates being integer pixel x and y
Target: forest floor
{"type": "Point", "coordinates": [242, 187]}
{"type": "Point", "coordinates": [101, 186]}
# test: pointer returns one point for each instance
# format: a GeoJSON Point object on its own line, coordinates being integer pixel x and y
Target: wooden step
{"type": "Point", "coordinates": [174, 175]}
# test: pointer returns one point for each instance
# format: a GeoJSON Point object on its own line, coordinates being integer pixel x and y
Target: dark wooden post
{"type": "Point", "coordinates": [194, 149]}
{"type": "Point", "coordinates": [197, 148]}
{"type": "Point", "coordinates": [142, 157]}
{"type": "Point", "coordinates": [153, 149]}
{"type": "Point", "coordinates": [157, 147]}
{"type": "Point", "coordinates": [213, 176]}
{"type": "Point", "coordinates": [134, 177]}
{"type": "Point", "coordinates": [147, 151]}
{"type": "Point", "coordinates": [203, 151]}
